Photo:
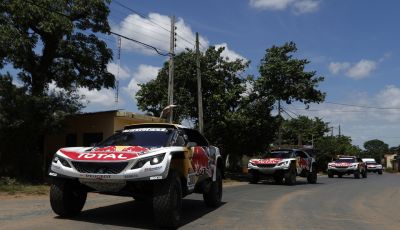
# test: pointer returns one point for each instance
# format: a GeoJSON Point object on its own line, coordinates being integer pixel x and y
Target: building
{"type": "Point", "coordinates": [87, 129]}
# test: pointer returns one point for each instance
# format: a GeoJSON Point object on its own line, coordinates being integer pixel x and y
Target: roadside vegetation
{"type": "Point", "coordinates": [10, 186]}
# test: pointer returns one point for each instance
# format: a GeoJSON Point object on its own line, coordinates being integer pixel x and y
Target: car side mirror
{"type": "Point", "coordinates": [191, 144]}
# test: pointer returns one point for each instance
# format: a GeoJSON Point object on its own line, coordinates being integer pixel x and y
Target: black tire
{"type": "Point", "coordinates": [254, 178]}
{"type": "Point", "coordinates": [357, 174]}
{"type": "Point", "coordinates": [330, 175]}
{"type": "Point", "coordinates": [212, 197]}
{"type": "Point", "coordinates": [312, 176]}
{"type": "Point", "coordinates": [340, 175]}
{"type": "Point", "coordinates": [290, 176]}
{"type": "Point", "coordinates": [278, 179]}
{"type": "Point", "coordinates": [67, 198]}
{"type": "Point", "coordinates": [167, 201]}
{"type": "Point", "coordinates": [380, 172]}
{"type": "Point", "coordinates": [364, 174]}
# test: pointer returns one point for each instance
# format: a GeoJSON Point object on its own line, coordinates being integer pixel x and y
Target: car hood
{"type": "Point", "coordinates": [109, 153]}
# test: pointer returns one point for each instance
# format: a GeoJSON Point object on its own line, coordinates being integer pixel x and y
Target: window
{"type": "Point", "coordinates": [301, 154]}
{"type": "Point", "coordinates": [71, 140]}
{"type": "Point", "coordinates": [195, 136]}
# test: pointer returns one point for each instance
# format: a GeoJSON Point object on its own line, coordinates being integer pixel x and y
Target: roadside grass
{"type": "Point", "coordinates": [389, 170]}
{"type": "Point", "coordinates": [11, 186]}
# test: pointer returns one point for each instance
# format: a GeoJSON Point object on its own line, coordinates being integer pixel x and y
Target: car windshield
{"type": "Point", "coordinates": [278, 154]}
{"type": "Point", "coordinates": [345, 160]}
{"type": "Point", "coordinates": [145, 137]}
{"type": "Point", "coordinates": [371, 163]}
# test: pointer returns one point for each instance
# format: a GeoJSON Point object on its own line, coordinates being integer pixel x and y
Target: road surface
{"type": "Point", "coordinates": [337, 203]}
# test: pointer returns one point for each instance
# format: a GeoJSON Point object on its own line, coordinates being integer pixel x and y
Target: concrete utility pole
{"type": "Point", "coordinates": [199, 93]}
{"type": "Point", "coordinates": [340, 132]}
{"type": "Point", "coordinates": [171, 70]}
{"type": "Point", "coordinates": [280, 124]}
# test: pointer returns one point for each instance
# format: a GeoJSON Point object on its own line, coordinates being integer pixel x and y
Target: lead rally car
{"type": "Point", "coordinates": [283, 164]}
{"type": "Point", "coordinates": [347, 165]}
{"type": "Point", "coordinates": [156, 163]}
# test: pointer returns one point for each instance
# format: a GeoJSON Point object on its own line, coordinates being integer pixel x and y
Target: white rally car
{"type": "Point", "coordinates": [160, 163]}
{"type": "Point", "coordinates": [283, 164]}
{"type": "Point", "coordinates": [372, 166]}
{"type": "Point", "coordinates": [347, 165]}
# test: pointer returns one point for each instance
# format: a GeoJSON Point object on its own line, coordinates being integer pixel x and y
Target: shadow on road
{"type": "Point", "coordinates": [139, 214]}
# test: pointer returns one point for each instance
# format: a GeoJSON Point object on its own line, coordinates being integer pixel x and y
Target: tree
{"type": "Point", "coordinates": [46, 41]}
{"type": "Point", "coordinates": [329, 147]}
{"type": "Point", "coordinates": [235, 120]}
{"type": "Point", "coordinates": [55, 40]}
{"type": "Point", "coordinates": [304, 130]}
{"type": "Point", "coordinates": [376, 149]}
{"type": "Point", "coordinates": [284, 77]}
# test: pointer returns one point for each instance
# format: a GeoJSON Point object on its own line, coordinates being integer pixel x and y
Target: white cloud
{"type": "Point", "coordinates": [147, 30]}
{"type": "Point", "coordinates": [230, 54]}
{"type": "Point", "coordinates": [359, 70]}
{"type": "Point", "coordinates": [298, 6]}
{"type": "Point", "coordinates": [103, 98]}
{"type": "Point", "coordinates": [123, 71]}
{"type": "Point", "coordinates": [336, 67]}
{"type": "Point", "coordinates": [143, 74]}
{"type": "Point", "coordinates": [380, 121]}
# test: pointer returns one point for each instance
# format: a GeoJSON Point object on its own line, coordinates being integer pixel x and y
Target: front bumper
{"type": "Point", "coordinates": [342, 170]}
{"type": "Point", "coordinates": [274, 171]}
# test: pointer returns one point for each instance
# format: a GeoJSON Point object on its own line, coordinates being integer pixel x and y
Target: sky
{"type": "Point", "coordinates": [352, 43]}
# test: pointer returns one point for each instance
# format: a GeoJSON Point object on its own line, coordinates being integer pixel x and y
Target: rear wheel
{"type": "Point", "coordinates": [364, 174]}
{"type": "Point", "coordinates": [312, 176]}
{"type": "Point", "coordinates": [330, 174]}
{"type": "Point", "coordinates": [278, 179]}
{"type": "Point", "coordinates": [213, 196]}
{"type": "Point", "coordinates": [167, 201]}
{"type": "Point", "coordinates": [380, 172]}
{"type": "Point", "coordinates": [67, 198]}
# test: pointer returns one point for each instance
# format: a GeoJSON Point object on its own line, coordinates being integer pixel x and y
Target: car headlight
{"type": "Point", "coordinates": [157, 159]}
{"type": "Point", "coordinates": [284, 164]}
{"type": "Point", "coordinates": [64, 162]}
{"type": "Point", "coordinates": [250, 164]}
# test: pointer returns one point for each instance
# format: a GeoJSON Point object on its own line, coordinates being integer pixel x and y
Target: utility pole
{"type": "Point", "coordinates": [340, 133]}
{"type": "Point", "coordinates": [199, 93]}
{"type": "Point", "coordinates": [171, 70]}
{"type": "Point", "coordinates": [280, 124]}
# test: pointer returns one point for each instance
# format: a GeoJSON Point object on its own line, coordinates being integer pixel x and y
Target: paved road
{"type": "Point", "coordinates": [338, 203]}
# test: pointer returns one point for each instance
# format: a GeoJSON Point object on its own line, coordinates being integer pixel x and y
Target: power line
{"type": "Point", "coordinates": [111, 32]}
{"type": "Point", "coordinates": [360, 106]}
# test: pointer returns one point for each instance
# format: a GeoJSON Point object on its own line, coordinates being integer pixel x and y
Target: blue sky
{"type": "Point", "coordinates": [352, 43]}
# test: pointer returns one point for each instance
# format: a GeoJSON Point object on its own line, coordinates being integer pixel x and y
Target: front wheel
{"type": "Point", "coordinates": [312, 177]}
{"type": "Point", "coordinates": [254, 178]}
{"type": "Point", "coordinates": [67, 198]}
{"type": "Point", "coordinates": [167, 201]}
{"type": "Point", "coordinates": [290, 176]}
{"type": "Point", "coordinates": [213, 196]}
{"type": "Point", "coordinates": [357, 174]}
{"type": "Point", "coordinates": [380, 172]}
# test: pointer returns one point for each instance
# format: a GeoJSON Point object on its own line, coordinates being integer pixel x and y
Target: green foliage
{"type": "Point", "coordinates": [284, 77]}
{"type": "Point", "coordinates": [46, 41]}
{"type": "Point", "coordinates": [375, 149]}
{"type": "Point", "coordinates": [303, 128]}
{"type": "Point", "coordinates": [47, 46]}
{"type": "Point", "coordinates": [329, 147]}
{"type": "Point", "coordinates": [24, 120]}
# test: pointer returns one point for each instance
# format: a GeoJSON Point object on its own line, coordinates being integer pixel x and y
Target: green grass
{"type": "Point", "coordinates": [11, 186]}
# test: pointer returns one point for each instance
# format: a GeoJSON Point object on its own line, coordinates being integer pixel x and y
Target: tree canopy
{"type": "Point", "coordinates": [304, 130]}
{"type": "Point", "coordinates": [55, 40]}
{"type": "Point", "coordinates": [376, 149]}
{"type": "Point", "coordinates": [284, 77]}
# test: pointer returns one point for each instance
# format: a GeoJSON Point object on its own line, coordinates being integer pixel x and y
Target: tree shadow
{"type": "Point", "coordinates": [139, 214]}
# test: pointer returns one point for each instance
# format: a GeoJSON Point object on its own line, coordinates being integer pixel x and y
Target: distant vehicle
{"type": "Point", "coordinates": [347, 165]}
{"type": "Point", "coordinates": [158, 163]}
{"type": "Point", "coordinates": [283, 164]}
{"type": "Point", "coordinates": [372, 166]}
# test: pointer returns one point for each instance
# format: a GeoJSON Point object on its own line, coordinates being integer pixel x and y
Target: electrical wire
{"type": "Point", "coordinates": [157, 50]}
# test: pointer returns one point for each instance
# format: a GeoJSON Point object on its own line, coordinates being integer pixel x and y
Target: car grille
{"type": "Point", "coordinates": [341, 167]}
{"type": "Point", "coordinates": [99, 168]}
{"type": "Point", "coordinates": [266, 165]}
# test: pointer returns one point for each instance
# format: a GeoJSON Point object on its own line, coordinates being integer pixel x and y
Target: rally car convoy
{"type": "Point", "coordinates": [161, 163]}
{"type": "Point", "coordinates": [157, 163]}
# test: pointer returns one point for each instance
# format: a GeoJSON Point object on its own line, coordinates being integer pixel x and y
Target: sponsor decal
{"type": "Point", "coordinates": [152, 169]}
{"type": "Point", "coordinates": [201, 161]}
{"type": "Point", "coordinates": [98, 177]}
{"type": "Point", "coordinates": [100, 156]}
{"type": "Point", "coordinates": [267, 161]}
{"type": "Point", "coordinates": [155, 177]}
{"type": "Point", "coordinates": [127, 176]}
{"type": "Point", "coordinates": [145, 130]}
{"type": "Point", "coordinates": [341, 164]}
